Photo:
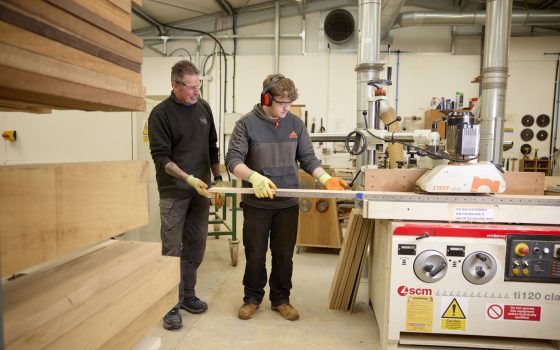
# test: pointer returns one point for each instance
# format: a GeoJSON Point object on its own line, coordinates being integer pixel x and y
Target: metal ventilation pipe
{"type": "Point", "coordinates": [368, 67]}
{"type": "Point", "coordinates": [494, 79]}
{"type": "Point", "coordinates": [453, 18]}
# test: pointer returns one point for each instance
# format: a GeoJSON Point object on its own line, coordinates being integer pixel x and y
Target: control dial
{"type": "Point", "coordinates": [479, 267]}
{"type": "Point", "coordinates": [430, 266]}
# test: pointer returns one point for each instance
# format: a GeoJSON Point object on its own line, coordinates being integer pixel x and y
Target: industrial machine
{"type": "Point", "coordinates": [466, 285]}
{"type": "Point", "coordinates": [462, 174]}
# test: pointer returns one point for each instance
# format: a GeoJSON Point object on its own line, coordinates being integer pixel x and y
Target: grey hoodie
{"type": "Point", "coordinates": [272, 148]}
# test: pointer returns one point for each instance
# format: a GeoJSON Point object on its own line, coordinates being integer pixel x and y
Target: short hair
{"type": "Point", "coordinates": [283, 86]}
{"type": "Point", "coordinates": [181, 68]}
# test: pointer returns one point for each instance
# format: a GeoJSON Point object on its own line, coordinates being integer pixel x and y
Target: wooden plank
{"type": "Point", "coordinates": [96, 330]}
{"type": "Point", "coordinates": [355, 214]}
{"type": "Point", "coordinates": [24, 86]}
{"type": "Point", "coordinates": [130, 335]}
{"type": "Point", "coordinates": [103, 15]}
{"type": "Point", "coordinates": [109, 10]}
{"type": "Point", "coordinates": [362, 263]}
{"type": "Point", "coordinates": [52, 22]}
{"type": "Point", "coordinates": [350, 277]}
{"type": "Point", "coordinates": [392, 180]}
{"type": "Point", "coordinates": [347, 261]}
{"type": "Point", "coordinates": [71, 291]}
{"type": "Point", "coordinates": [524, 183]}
{"type": "Point", "coordinates": [47, 211]}
{"type": "Point", "coordinates": [11, 106]}
{"type": "Point", "coordinates": [124, 5]}
{"type": "Point", "coordinates": [39, 64]}
{"type": "Point", "coordinates": [137, 3]}
{"type": "Point", "coordinates": [27, 40]}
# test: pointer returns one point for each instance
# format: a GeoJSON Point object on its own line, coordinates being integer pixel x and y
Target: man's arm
{"type": "Point", "coordinates": [200, 186]}
{"type": "Point", "coordinates": [172, 169]}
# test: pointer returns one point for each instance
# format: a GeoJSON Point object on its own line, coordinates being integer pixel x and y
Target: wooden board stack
{"type": "Point", "coordinates": [350, 263]}
{"type": "Point", "coordinates": [69, 54]}
{"type": "Point", "coordinates": [73, 287]}
{"type": "Point", "coordinates": [47, 211]}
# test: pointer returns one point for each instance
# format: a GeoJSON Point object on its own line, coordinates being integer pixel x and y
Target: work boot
{"type": "Point", "coordinates": [173, 320]}
{"type": "Point", "coordinates": [246, 311]}
{"type": "Point", "coordinates": [287, 311]}
{"type": "Point", "coordinates": [194, 305]}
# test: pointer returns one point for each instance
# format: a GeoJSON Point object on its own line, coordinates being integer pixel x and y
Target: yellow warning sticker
{"type": "Point", "coordinates": [419, 313]}
{"type": "Point", "coordinates": [453, 317]}
{"type": "Point", "coordinates": [145, 132]}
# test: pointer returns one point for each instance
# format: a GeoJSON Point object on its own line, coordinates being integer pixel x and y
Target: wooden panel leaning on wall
{"type": "Point", "coordinates": [47, 211]}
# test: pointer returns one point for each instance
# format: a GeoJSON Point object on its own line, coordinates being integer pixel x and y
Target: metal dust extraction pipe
{"type": "Point", "coordinates": [368, 67]}
{"type": "Point", "coordinates": [494, 79]}
{"type": "Point", "coordinates": [454, 18]}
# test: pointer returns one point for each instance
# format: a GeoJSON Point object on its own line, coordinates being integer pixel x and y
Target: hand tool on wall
{"type": "Point", "coordinates": [313, 126]}
{"type": "Point", "coordinates": [513, 160]}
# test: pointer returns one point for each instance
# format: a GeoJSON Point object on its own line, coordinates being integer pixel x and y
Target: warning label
{"type": "Point", "coordinates": [453, 311]}
{"type": "Point", "coordinates": [419, 313]}
{"type": "Point", "coordinates": [522, 313]}
{"type": "Point", "coordinates": [453, 317]}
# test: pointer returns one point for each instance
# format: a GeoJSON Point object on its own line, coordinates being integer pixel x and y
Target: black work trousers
{"type": "Point", "coordinates": [184, 231]}
{"type": "Point", "coordinates": [280, 225]}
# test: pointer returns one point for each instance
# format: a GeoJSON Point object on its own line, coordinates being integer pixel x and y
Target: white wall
{"type": "Point", "coordinates": [66, 136]}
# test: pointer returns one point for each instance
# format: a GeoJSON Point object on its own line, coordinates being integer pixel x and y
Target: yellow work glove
{"type": "Point", "coordinates": [219, 198]}
{"type": "Point", "coordinates": [199, 185]}
{"type": "Point", "coordinates": [262, 185]}
{"type": "Point", "coordinates": [332, 183]}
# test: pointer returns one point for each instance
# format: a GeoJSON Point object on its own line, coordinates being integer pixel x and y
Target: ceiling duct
{"type": "Point", "coordinates": [339, 26]}
{"type": "Point", "coordinates": [453, 18]}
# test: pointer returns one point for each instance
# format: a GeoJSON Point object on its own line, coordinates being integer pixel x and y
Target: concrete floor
{"type": "Point", "coordinates": [220, 285]}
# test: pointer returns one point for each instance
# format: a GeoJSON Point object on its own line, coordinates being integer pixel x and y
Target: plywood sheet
{"type": "Point", "coordinates": [524, 183]}
{"type": "Point", "coordinates": [47, 211]}
{"type": "Point", "coordinates": [392, 180]}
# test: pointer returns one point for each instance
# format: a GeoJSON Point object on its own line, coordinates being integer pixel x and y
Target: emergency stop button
{"type": "Point", "coordinates": [9, 135]}
{"type": "Point", "coordinates": [521, 249]}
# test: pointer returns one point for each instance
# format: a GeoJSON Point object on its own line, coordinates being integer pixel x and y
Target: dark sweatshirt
{"type": "Point", "coordinates": [274, 151]}
{"type": "Point", "coordinates": [185, 135]}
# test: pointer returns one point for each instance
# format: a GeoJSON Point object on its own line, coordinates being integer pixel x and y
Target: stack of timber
{"type": "Point", "coordinates": [350, 263]}
{"type": "Point", "coordinates": [71, 286]}
{"type": "Point", "coordinates": [108, 298]}
{"type": "Point", "coordinates": [69, 54]}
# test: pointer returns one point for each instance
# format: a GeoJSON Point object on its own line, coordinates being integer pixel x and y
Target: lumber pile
{"type": "Point", "coordinates": [91, 302]}
{"type": "Point", "coordinates": [69, 54]}
{"type": "Point", "coordinates": [71, 286]}
{"type": "Point", "coordinates": [350, 263]}
{"type": "Point", "coordinates": [47, 211]}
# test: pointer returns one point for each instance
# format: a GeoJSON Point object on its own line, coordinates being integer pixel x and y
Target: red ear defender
{"type": "Point", "coordinates": [266, 99]}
